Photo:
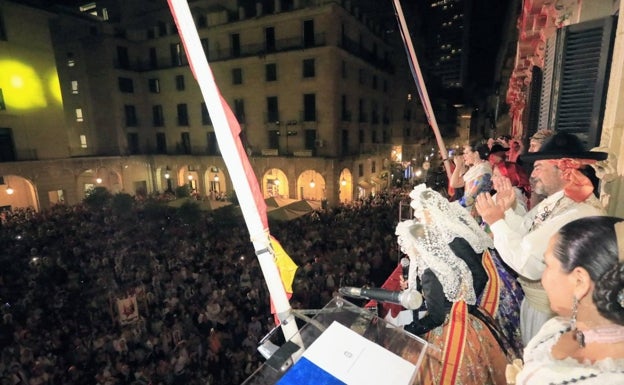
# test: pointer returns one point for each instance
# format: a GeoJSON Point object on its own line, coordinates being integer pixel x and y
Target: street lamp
{"type": "Point", "coordinates": [312, 184]}
{"type": "Point", "coordinates": [343, 182]}
{"type": "Point", "coordinates": [9, 190]}
{"type": "Point", "coordinates": [216, 177]}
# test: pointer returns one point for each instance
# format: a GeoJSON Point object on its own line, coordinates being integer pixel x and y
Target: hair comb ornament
{"type": "Point", "coordinates": [620, 298]}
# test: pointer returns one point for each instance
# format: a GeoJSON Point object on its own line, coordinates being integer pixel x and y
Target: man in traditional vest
{"type": "Point", "coordinates": [521, 240]}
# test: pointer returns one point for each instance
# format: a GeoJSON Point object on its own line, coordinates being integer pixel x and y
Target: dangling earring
{"type": "Point", "coordinates": [577, 334]}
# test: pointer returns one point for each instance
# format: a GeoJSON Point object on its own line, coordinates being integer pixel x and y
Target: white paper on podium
{"type": "Point", "coordinates": [356, 360]}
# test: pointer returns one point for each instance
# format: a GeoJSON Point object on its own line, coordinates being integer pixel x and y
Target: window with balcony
{"type": "Point", "coordinates": [123, 59]}
{"type": "Point", "coordinates": [235, 45]}
{"type": "Point", "coordinates": [345, 114]}
{"type": "Point", "coordinates": [311, 140]}
{"type": "Point", "coordinates": [154, 85]}
{"type": "Point", "coordinates": [237, 76]}
{"type": "Point", "coordinates": [133, 143]}
{"type": "Point", "coordinates": [130, 114]}
{"type": "Point", "coordinates": [361, 111]}
{"type": "Point", "coordinates": [179, 81]}
{"type": "Point", "coordinates": [183, 119]}
{"type": "Point", "coordinates": [309, 107]}
{"type": "Point", "coordinates": [79, 117]}
{"type": "Point", "coordinates": [74, 87]}
{"type": "Point", "coordinates": [186, 142]}
{"type": "Point", "coordinates": [308, 33]}
{"type": "Point", "coordinates": [272, 109]}
{"type": "Point", "coordinates": [161, 143]}
{"type": "Point", "coordinates": [269, 39]}
{"type": "Point", "coordinates": [153, 58]}
{"type": "Point", "coordinates": [270, 72]}
{"type": "Point", "coordinates": [274, 136]}
{"type": "Point", "coordinates": [158, 119]}
{"type": "Point", "coordinates": [7, 145]}
{"type": "Point", "coordinates": [308, 68]}
{"type": "Point", "coordinates": [213, 144]}
{"type": "Point", "coordinates": [126, 85]}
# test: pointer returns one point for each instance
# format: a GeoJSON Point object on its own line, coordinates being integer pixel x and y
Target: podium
{"type": "Point", "coordinates": [342, 344]}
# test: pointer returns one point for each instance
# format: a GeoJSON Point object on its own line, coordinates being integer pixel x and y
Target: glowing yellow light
{"type": "Point", "coordinates": [21, 86]}
{"type": "Point", "coordinates": [17, 81]}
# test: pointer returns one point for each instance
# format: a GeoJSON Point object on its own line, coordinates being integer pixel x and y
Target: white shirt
{"type": "Point", "coordinates": [522, 247]}
{"type": "Point", "coordinates": [540, 367]}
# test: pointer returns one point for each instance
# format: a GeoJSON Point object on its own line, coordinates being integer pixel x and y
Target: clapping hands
{"type": "Point", "coordinates": [491, 210]}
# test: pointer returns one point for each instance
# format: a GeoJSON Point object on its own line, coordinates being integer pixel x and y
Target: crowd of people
{"type": "Point", "coordinates": [95, 294]}
{"type": "Point", "coordinates": [201, 300]}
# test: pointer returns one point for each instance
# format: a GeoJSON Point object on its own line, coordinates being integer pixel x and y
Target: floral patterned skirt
{"type": "Point", "coordinates": [483, 361]}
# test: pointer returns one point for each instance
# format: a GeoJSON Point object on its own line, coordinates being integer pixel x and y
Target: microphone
{"type": "Point", "coordinates": [405, 263]}
{"type": "Point", "coordinates": [409, 299]}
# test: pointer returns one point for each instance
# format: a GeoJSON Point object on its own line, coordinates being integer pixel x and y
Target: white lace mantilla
{"type": "Point", "coordinates": [428, 251]}
{"type": "Point", "coordinates": [452, 220]}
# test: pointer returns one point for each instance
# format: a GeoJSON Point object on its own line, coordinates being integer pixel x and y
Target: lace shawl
{"type": "Point", "coordinates": [426, 248]}
{"type": "Point", "coordinates": [450, 218]}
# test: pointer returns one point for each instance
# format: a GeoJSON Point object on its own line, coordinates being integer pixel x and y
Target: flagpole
{"type": "Point", "coordinates": [422, 88]}
{"type": "Point", "coordinates": [230, 146]}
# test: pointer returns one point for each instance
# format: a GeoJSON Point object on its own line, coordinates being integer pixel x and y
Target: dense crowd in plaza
{"type": "Point", "coordinates": [201, 296]}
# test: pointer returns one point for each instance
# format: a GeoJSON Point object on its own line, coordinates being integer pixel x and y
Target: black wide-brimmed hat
{"type": "Point", "coordinates": [562, 145]}
{"type": "Point", "coordinates": [497, 147]}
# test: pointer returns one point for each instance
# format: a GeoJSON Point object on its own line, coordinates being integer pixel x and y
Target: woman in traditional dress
{"type": "Point", "coordinates": [449, 272]}
{"type": "Point", "coordinates": [473, 173]}
{"type": "Point", "coordinates": [584, 281]}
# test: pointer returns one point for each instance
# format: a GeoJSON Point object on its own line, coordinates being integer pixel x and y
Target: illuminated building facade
{"type": "Point", "coordinates": [315, 87]}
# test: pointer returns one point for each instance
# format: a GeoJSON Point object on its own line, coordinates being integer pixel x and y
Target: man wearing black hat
{"type": "Point", "coordinates": [498, 153]}
{"type": "Point", "coordinates": [521, 240]}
